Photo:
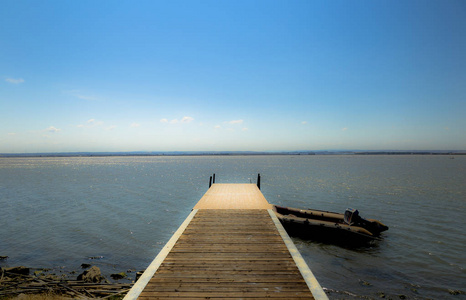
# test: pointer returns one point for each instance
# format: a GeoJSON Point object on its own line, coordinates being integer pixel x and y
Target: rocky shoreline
{"type": "Point", "coordinates": [20, 280]}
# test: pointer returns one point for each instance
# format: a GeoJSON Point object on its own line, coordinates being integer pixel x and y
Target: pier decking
{"type": "Point", "coordinates": [231, 246]}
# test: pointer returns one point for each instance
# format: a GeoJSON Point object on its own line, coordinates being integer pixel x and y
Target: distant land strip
{"type": "Point", "coordinates": [233, 153]}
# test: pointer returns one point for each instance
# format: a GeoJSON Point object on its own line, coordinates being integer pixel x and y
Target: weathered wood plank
{"type": "Point", "coordinates": [223, 289]}
{"type": "Point", "coordinates": [230, 285]}
{"type": "Point", "coordinates": [238, 279]}
{"type": "Point", "coordinates": [228, 264]}
{"type": "Point", "coordinates": [219, 298]}
{"type": "Point", "coordinates": [237, 295]}
{"type": "Point", "coordinates": [218, 280]}
{"type": "Point", "coordinates": [227, 256]}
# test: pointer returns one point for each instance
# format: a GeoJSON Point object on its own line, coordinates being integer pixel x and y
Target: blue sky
{"type": "Point", "coordinates": [232, 75]}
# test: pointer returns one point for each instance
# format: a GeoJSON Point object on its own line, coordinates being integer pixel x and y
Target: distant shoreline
{"type": "Point", "coordinates": [231, 153]}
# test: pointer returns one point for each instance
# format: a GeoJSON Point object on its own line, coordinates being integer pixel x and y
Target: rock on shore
{"type": "Point", "coordinates": [16, 270]}
{"type": "Point", "coordinates": [93, 275]}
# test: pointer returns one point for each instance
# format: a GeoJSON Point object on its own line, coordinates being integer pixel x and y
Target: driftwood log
{"type": "Point", "coordinates": [12, 284]}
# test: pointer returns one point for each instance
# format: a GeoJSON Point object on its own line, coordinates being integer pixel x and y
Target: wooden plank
{"type": "Point", "coordinates": [225, 288]}
{"type": "Point", "coordinates": [194, 286]}
{"type": "Point", "coordinates": [269, 264]}
{"type": "Point", "coordinates": [220, 298]}
{"type": "Point", "coordinates": [233, 294]}
{"type": "Point", "coordinates": [219, 280]}
{"type": "Point", "coordinates": [213, 257]}
{"type": "Point", "coordinates": [233, 196]}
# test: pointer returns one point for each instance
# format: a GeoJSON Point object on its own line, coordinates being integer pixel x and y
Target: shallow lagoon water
{"type": "Point", "coordinates": [58, 212]}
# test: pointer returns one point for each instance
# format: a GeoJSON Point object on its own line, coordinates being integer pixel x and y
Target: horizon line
{"type": "Point", "coordinates": [229, 152]}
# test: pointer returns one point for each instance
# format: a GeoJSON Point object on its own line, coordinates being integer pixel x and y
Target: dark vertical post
{"type": "Point", "coordinates": [259, 181]}
{"type": "Point", "coordinates": [213, 181]}
{"type": "Point", "coordinates": [210, 182]}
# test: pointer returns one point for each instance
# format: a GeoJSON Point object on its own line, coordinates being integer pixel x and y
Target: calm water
{"type": "Point", "coordinates": [58, 212]}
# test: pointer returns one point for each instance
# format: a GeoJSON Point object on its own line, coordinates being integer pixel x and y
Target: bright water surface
{"type": "Point", "coordinates": [58, 212]}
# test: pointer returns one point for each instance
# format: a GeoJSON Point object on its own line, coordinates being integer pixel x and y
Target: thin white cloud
{"type": "Point", "coordinates": [134, 125]}
{"type": "Point", "coordinates": [11, 133]}
{"type": "Point", "coordinates": [91, 123]}
{"type": "Point", "coordinates": [187, 119]}
{"type": "Point", "coordinates": [83, 96]}
{"type": "Point", "coordinates": [14, 80]}
{"type": "Point", "coordinates": [52, 129]}
{"type": "Point", "coordinates": [233, 122]}
{"type": "Point", "coordinates": [95, 123]}
{"type": "Point", "coordinates": [217, 126]}
{"type": "Point", "coordinates": [176, 121]}
{"type": "Point", "coordinates": [111, 127]}
{"type": "Point", "coordinates": [304, 122]}
{"type": "Point", "coordinates": [345, 128]}
{"type": "Point", "coordinates": [245, 129]}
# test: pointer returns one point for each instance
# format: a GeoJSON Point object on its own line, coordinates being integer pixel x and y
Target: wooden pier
{"type": "Point", "coordinates": [231, 246]}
